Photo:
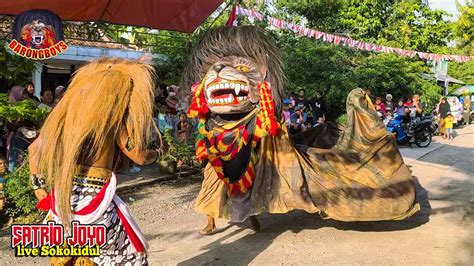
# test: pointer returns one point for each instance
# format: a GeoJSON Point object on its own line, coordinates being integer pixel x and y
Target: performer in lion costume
{"type": "Point", "coordinates": [358, 174]}
{"type": "Point", "coordinates": [105, 114]}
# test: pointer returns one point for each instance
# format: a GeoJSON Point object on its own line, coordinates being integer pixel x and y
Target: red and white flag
{"type": "Point", "coordinates": [232, 21]}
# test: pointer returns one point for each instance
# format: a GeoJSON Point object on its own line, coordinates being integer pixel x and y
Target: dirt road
{"type": "Point", "coordinates": [441, 233]}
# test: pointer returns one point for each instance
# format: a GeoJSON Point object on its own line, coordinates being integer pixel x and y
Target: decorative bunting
{"type": "Point", "coordinates": [339, 40]}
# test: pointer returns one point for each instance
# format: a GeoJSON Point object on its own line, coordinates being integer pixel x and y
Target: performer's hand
{"type": "Point", "coordinates": [41, 193]}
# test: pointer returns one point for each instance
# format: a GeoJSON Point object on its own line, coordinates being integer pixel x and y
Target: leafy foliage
{"type": "Point", "coordinates": [19, 194]}
{"type": "Point", "coordinates": [176, 150]}
{"type": "Point", "coordinates": [14, 69]}
{"type": "Point", "coordinates": [334, 70]}
{"type": "Point", "coordinates": [464, 28]}
{"type": "Point", "coordinates": [23, 110]}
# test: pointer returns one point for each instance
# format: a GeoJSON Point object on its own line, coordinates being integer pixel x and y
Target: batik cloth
{"type": "Point", "coordinates": [93, 201]}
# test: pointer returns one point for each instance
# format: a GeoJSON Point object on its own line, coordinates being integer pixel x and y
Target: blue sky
{"type": "Point", "coordinates": [446, 5]}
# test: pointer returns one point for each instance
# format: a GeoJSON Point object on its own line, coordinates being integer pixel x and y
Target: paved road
{"type": "Point", "coordinates": [442, 233]}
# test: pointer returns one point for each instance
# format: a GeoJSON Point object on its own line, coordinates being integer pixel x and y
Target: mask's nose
{"type": "Point", "coordinates": [218, 67]}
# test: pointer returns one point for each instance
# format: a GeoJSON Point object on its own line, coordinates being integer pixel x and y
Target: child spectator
{"type": "Point", "coordinates": [286, 111]}
{"type": "Point", "coordinates": [448, 123]}
{"type": "Point", "coordinates": [379, 106]}
{"type": "Point", "coordinates": [399, 110]}
{"type": "Point", "coordinates": [293, 100]}
{"type": "Point", "coordinates": [389, 105]}
{"type": "Point", "coordinates": [298, 120]}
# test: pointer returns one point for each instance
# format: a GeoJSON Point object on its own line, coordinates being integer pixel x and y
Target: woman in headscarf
{"type": "Point", "coordinates": [443, 109]}
{"type": "Point", "coordinates": [58, 94]}
{"type": "Point", "coordinates": [15, 140]}
{"type": "Point", "coordinates": [30, 90]}
{"type": "Point", "coordinates": [17, 94]}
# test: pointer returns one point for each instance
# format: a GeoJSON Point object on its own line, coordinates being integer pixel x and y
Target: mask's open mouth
{"type": "Point", "coordinates": [227, 92]}
{"type": "Point", "coordinates": [37, 39]}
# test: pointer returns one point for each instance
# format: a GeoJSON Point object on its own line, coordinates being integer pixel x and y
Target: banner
{"type": "Point", "coordinates": [348, 42]}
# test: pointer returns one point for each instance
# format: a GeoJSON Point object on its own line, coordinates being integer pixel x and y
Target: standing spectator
{"type": "Point", "coordinates": [389, 104]}
{"type": "Point", "coordinates": [46, 100]}
{"type": "Point", "coordinates": [449, 121]}
{"type": "Point", "coordinates": [58, 94]}
{"type": "Point", "coordinates": [293, 100]}
{"type": "Point", "coordinates": [172, 102]}
{"type": "Point", "coordinates": [399, 110]}
{"type": "Point", "coordinates": [17, 93]}
{"type": "Point", "coordinates": [30, 89]}
{"type": "Point", "coordinates": [379, 106]}
{"type": "Point", "coordinates": [172, 99]}
{"type": "Point", "coordinates": [302, 100]}
{"type": "Point", "coordinates": [443, 109]}
{"type": "Point", "coordinates": [416, 107]}
{"type": "Point", "coordinates": [298, 120]}
{"type": "Point", "coordinates": [286, 112]}
{"type": "Point", "coordinates": [182, 127]}
{"type": "Point", "coordinates": [319, 109]}
{"type": "Point", "coordinates": [467, 109]}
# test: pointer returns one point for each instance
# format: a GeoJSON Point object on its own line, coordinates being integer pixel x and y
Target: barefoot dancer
{"type": "Point", "coordinates": [107, 110]}
{"type": "Point", "coordinates": [253, 165]}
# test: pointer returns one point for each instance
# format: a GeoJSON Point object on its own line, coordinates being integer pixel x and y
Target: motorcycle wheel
{"type": "Point", "coordinates": [423, 139]}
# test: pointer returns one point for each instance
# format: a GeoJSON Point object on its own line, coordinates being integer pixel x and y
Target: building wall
{"type": "Point", "coordinates": [76, 56]}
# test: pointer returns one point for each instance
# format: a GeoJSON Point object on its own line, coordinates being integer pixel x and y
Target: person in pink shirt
{"type": "Point", "coordinates": [380, 106]}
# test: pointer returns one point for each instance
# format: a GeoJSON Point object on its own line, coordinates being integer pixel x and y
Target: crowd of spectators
{"type": "Point", "coordinates": [17, 135]}
{"type": "Point", "coordinates": [300, 114]}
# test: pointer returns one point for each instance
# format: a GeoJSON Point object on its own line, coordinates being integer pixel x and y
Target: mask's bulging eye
{"type": "Point", "coordinates": [242, 68]}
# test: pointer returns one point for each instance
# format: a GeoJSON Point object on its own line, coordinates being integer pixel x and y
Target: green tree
{"type": "Point", "coordinates": [463, 29]}
{"type": "Point", "coordinates": [404, 24]}
{"type": "Point", "coordinates": [14, 69]}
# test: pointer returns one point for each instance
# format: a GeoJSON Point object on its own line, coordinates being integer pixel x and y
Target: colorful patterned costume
{"type": "Point", "coordinates": [354, 173]}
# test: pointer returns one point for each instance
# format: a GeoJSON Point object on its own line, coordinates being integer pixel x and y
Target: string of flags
{"type": "Point", "coordinates": [340, 40]}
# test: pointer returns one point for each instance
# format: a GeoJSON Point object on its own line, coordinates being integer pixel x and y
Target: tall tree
{"type": "Point", "coordinates": [463, 29]}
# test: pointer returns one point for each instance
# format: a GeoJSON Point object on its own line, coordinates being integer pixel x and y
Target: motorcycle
{"type": "Point", "coordinates": [419, 131]}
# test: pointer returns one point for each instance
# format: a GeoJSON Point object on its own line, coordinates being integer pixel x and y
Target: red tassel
{"type": "Point", "coordinates": [268, 108]}
{"type": "Point", "coordinates": [198, 107]}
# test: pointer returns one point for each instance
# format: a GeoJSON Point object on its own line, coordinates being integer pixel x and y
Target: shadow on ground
{"type": "Point", "coordinates": [243, 250]}
{"type": "Point", "coordinates": [144, 192]}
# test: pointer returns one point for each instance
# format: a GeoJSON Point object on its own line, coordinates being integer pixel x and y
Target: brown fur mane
{"type": "Point", "coordinates": [243, 41]}
{"type": "Point", "coordinates": [103, 95]}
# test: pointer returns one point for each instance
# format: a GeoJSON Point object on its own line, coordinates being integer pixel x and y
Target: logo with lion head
{"type": "Point", "coordinates": [37, 35]}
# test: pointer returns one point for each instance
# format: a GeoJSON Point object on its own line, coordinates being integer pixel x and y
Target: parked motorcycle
{"type": "Point", "coordinates": [419, 130]}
